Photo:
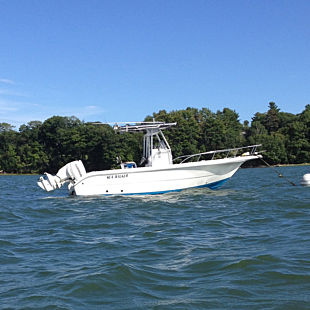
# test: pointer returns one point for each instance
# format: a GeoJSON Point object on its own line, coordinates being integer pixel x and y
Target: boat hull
{"type": "Point", "coordinates": [150, 180]}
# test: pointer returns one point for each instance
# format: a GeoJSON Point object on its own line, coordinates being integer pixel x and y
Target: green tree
{"type": "Point", "coordinates": [30, 150]}
{"type": "Point", "coordinates": [297, 145]}
{"type": "Point", "coordinates": [6, 127]}
{"type": "Point", "coordinates": [100, 147]}
{"type": "Point", "coordinates": [9, 159]}
{"type": "Point", "coordinates": [56, 137]}
{"type": "Point", "coordinates": [232, 129]}
{"type": "Point", "coordinates": [272, 119]}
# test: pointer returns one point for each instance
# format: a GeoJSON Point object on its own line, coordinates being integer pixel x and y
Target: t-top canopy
{"type": "Point", "coordinates": [141, 126]}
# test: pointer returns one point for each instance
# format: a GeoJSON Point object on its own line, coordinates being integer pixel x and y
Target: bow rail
{"type": "Point", "coordinates": [233, 152]}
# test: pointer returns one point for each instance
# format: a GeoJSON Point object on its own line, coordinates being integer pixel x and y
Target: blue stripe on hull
{"type": "Point", "coordinates": [217, 184]}
{"type": "Point", "coordinates": [212, 186]}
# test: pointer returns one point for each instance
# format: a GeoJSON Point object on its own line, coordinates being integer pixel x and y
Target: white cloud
{"type": "Point", "coordinates": [17, 109]}
{"type": "Point", "coordinates": [89, 111]}
{"type": "Point", "coordinates": [13, 107]}
{"type": "Point", "coordinates": [16, 112]}
{"type": "Point", "coordinates": [7, 81]}
{"type": "Point", "coordinates": [7, 92]}
{"type": "Point", "coordinates": [4, 109]}
{"type": "Point", "coordinates": [7, 106]}
{"type": "Point", "coordinates": [19, 112]}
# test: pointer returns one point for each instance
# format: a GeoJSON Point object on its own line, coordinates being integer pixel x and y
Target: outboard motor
{"type": "Point", "coordinates": [71, 172]}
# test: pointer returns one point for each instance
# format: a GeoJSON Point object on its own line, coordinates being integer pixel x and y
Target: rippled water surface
{"type": "Point", "coordinates": [244, 246]}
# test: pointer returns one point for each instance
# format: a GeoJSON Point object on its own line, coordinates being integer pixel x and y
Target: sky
{"type": "Point", "coordinates": [122, 60]}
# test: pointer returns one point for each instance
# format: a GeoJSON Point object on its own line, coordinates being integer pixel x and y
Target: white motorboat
{"type": "Point", "coordinates": [158, 173]}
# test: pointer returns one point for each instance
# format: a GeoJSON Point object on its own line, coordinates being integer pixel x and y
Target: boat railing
{"type": "Point", "coordinates": [225, 153]}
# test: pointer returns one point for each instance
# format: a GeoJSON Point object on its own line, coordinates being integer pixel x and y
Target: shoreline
{"type": "Point", "coordinates": [7, 173]}
{"type": "Point", "coordinates": [291, 165]}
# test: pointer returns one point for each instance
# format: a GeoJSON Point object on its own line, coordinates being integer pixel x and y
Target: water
{"type": "Point", "coordinates": [245, 246]}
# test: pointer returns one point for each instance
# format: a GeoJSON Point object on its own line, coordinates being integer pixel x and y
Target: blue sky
{"type": "Point", "coordinates": [122, 60]}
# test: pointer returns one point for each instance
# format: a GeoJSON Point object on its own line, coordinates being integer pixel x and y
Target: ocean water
{"type": "Point", "coordinates": [243, 246]}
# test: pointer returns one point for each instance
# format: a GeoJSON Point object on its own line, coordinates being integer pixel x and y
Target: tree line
{"type": "Point", "coordinates": [38, 147]}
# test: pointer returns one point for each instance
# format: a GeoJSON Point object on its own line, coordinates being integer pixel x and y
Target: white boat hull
{"type": "Point", "coordinates": [150, 180]}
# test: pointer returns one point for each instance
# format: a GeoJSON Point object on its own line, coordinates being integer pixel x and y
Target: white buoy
{"type": "Point", "coordinates": [306, 179]}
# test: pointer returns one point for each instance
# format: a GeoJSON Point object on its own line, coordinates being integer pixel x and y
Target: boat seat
{"type": "Point", "coordinates": [128, 165]}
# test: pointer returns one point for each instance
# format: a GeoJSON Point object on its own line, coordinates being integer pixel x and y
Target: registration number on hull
{"type": "Point", "coordinates": [117, 176]}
